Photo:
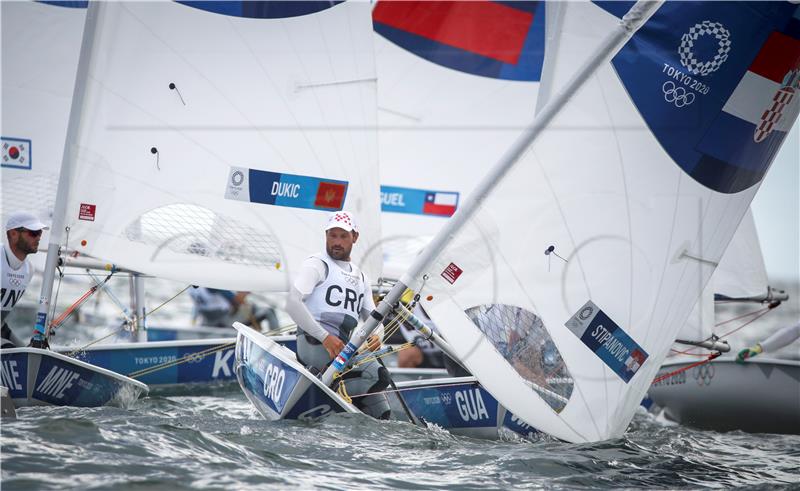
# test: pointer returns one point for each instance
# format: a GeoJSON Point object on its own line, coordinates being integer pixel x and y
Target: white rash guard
{"type": "Point", "coordinates": [16, 275]}
{"type": "Point", "coordinates": [329, 295]}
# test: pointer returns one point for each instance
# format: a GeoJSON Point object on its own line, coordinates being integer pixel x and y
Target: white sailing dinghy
{"type": "Point", "coordinates": [212, 145]}
{"type": "Point", "coordinates": [637, 185]}
{"type": "Point", "coordinates": [40, 57]}
{"type": "Point", "coordinates": [761, 395]}
{"type": "Point", "coordinates": [41, 46]}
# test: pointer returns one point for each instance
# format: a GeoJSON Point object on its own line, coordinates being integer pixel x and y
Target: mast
{"type": "Point", "coordinates": [634, 19]}
{"type": "Point", "coordinates": [40, 331]}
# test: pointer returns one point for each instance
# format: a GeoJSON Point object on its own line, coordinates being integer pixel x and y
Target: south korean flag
{"type": "Point", "coordinates": [16, 153]}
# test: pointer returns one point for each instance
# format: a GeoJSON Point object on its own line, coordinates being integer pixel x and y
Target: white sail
{"type": "Point", "coordinates": [214, 139]}
{"type": "Point", "coordinates": [638, 183]}
{"type": "Point", "coordinates": [453, 93]}
{"type": "Point", "coordinates": [40, 47]}
{"type": "Point", "coordinates": [742, 272]}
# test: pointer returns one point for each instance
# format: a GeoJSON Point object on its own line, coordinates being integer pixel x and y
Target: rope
{"type": "Point", "coordinates": [57, 322]}
{"type": "Point", "coordinates": [372, 359]}
{"type": "Point", "coordinates": [52, 312]}
{"type": "Point", "coordinates": [408, 388]}
{"type": "Point", "coordinates": [186, 358]}
{"type": "Point", "coordinates": [687, 367]}
{"type": "Point", "coordinates": [757, 313]}
{"type": "Point", "coordinates": [91, 343]}
{"type": "Point", "coordinates": [169, 300]}
{"type": "Point", "coordinates": [342, 390]}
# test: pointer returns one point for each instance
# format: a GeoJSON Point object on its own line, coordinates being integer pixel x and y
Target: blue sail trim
{"type": "Point", "coordinates": [71, 5]}
{"type": "Point", "coordinates": [262, 9]}
{"type": "Point", "coordinates": [687, 62]}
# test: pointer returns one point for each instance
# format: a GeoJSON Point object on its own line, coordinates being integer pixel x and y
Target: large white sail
{"type": "Point", "coordinates": [40, 47]}
{"type": "Point", "coordinates": [457, 82]}
{"type": "Point", "coordinates": [215, 137]}
{"type": "Point", "coordinates": [604, 233]}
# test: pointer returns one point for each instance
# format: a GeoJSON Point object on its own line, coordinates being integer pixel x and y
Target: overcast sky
{"type": "Point", "coordinates": [776, 209]}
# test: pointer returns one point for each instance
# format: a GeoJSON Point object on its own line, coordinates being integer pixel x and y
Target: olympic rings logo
{"type": "Point", "coordinates": [703, 374]}
{"type": "Point", "coordinates": [193, 357]}
{"type": "Point", "coordinates": [677, 95]}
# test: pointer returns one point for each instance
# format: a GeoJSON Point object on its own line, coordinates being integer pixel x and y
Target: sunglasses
{"type": "Point", "coordinates": [32, 233]}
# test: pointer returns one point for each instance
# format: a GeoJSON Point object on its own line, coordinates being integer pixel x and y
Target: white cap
{"type": "Point", "coordinates": [25, 220]}
{"type": "Point", "coordinates": [343, 220]}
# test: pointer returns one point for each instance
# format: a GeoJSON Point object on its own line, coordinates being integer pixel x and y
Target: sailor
{"type": "Point", "coordinates": [328, 297]}
{"type": "Point", "coordinates": [423, 353]}
{"type": "Point", "coordinates": [221, 308]}
{"type": "Point", "coordinates": [215, 308]}
{"type": "Point", "coordinates": [779, 339]}
{"type": "Point", "coordinates": [23, 232]}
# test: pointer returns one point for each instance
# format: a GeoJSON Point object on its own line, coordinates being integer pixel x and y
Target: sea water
{"type": "Point", "coordinates": [217, 441]}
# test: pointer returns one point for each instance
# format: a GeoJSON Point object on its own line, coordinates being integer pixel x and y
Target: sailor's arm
{"type": "Point", "coordinates": [782, 337]}
{"type": "Point", "coordinates": [307, 279]}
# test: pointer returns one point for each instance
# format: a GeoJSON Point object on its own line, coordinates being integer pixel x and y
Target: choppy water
{"type": "Point", "coordinates": [215, 440]}
{"type": "Point", "coordinates": [219, 442]}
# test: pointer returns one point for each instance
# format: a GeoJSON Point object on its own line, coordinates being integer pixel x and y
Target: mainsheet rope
{"type": "Point", "coordinates": [757, 313]}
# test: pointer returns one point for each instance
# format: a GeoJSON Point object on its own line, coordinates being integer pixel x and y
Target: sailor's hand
{"type": "Point", "coordinates": [373, 343]}
{"type": "Point", "coordinates": [334, 345]}
{"type": "Point", "coordinates": [748, 353]}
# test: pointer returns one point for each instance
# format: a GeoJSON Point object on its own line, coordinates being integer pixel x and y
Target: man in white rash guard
{"type": "Point", "coordinates": [23, 232]}
{"type": "Point", "coordinates": [328, 296]}
{"type": "Point", "coordinates": [782, 337]}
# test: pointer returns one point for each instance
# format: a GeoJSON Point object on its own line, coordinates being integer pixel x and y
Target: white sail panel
{"type": "Point", "coordinates": [742, 272]}
{"type": "Point", "coordinates": [637, 195]}
{"type": "Point", "coordinates": [40, 47]}
{"type": "Point", "coordinates": [213, 145]}
{"type": "Point", "coordinates": [452, 95]}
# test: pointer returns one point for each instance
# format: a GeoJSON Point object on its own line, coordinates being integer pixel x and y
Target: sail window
{"type": "Point", "coordinates": [520, 337]}
{"type": "Point", "coordinates": [191, 229]}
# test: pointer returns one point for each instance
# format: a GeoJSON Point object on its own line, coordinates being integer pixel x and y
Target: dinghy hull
{"type": "Point", "coordinates": [759, 396]}
{"type": "Point", "coordinates": [277, 385]}
{"type": "Point", "coordinates": [38, 377]}
{"type": "Point", "coordinates": [192, 363]}
{"type": "Point", "coordinates": [461, 406]}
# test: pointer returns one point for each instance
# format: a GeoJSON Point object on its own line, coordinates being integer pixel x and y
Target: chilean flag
{"type": "Point", "coordinates": [437, 203]}
{"type": "Point", "coordinates": [761, 109]}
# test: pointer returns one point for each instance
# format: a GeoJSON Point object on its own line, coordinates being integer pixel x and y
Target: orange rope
{"type": "Point", "coordinates": [696, 364]}
{"type": "Point", "coordinates": [757, 313]}
{"type": "Point", "coordinates": [57, 322]}
{"type": "Point", "coordinates": [765, 309]}
{"type": "Point", "coordinates": [760, 314]}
